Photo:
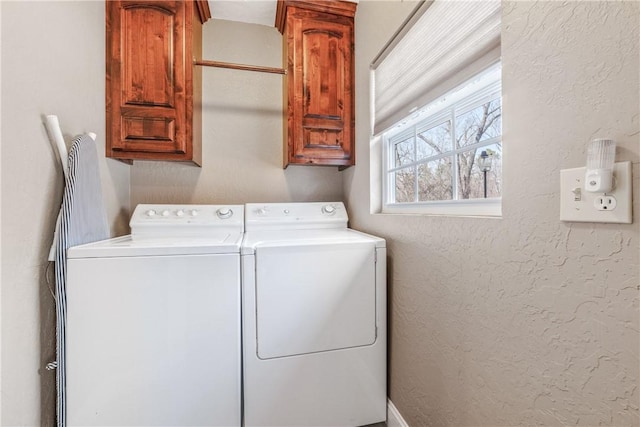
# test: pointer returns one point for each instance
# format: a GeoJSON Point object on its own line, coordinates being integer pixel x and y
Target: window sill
{"type": "Point", "coordinates": [484, 208]}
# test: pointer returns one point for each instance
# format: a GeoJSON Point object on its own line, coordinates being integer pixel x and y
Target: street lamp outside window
{"type": "Point", "coordinates": [484, 163]}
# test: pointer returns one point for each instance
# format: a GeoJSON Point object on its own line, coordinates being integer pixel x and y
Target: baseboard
{"type": "Point", "coordinates": [394, 419]}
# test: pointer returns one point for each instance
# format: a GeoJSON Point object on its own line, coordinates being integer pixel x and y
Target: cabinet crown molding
{"type": "Point", "coordinates": [204, 13]}
{"type": "Point", "coordinates": [339, 7]}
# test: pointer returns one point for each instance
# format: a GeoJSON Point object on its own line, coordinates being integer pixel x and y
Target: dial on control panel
{"type": "Point", "coordinates": [329, 209]}
{"type": "Point", "coordinates": [224, 213]}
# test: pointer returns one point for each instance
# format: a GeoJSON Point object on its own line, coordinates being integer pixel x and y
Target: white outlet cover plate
{"type": "Point", "coordinates": [583, 210]}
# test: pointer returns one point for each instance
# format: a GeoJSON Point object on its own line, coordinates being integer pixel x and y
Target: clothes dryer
{"type": "Point", "coordinates": [153, 321]}
{"type": "Point", "coordinates": [314, 318]}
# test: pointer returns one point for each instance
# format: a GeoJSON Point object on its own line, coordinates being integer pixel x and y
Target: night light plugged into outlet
{"type": "Point", "coordinates": [600, 192]}
{"type": "Point", "coordinates": [601, 155]}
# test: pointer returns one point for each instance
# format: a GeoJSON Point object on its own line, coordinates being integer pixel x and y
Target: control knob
{"type": "Point", "coordinates": [328, 209]}
{"type": "Point", "coordinates": [180, 212]}
{"type": "Point", "coordinates": [151, 213]}
{"type": "Point", "coordinates": [165, 212]}
{"type": "Point", "coordinates": [224, 213]}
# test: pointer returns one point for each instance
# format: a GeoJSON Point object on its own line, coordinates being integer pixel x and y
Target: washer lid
{"type": "Point", "coordinates": [126, 246]}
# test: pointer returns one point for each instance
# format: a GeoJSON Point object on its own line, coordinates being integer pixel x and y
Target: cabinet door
{"type": "Point", "coordinates": [149, 79]}
{"type": "Point", "coordinates": [320, 62]}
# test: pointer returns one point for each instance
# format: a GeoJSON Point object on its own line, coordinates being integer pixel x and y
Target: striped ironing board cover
{"type": "Point", "coordinates": [83, 220]}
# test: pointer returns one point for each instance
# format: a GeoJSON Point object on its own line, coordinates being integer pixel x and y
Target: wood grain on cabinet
{"type": "Point", "coordinates": [153, 92]}
{"type": "Point", "coordinates": [318, 47]}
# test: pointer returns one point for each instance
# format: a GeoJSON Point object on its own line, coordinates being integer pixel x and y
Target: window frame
{"type": "Point", "coordinates": [480, 89]}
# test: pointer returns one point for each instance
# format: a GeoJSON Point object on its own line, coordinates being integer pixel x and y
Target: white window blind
{"type": "Point", "coordinates": [442, 44]}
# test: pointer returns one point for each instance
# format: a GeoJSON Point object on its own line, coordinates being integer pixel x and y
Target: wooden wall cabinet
{"type": "Point", "coordinates": [318, 47]}
{"type": "Point", "coordinates": [153, 91]}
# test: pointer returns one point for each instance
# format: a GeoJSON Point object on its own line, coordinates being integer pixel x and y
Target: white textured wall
{"type": "Point", "coordinates": [524, 320]}
{"type": "Point", "coordinates": [242, 133]}
{"type": "Point", "coordinates": [52, 63]}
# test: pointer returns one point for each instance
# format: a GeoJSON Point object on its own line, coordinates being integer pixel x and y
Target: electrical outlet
{"type": "Point", "coordinates": [579, 205]}
{"type": "Point", "coordinates": [605, 203]}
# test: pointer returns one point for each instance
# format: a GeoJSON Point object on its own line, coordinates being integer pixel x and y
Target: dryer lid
{"type": "Point", "coordinates": [273, 238]}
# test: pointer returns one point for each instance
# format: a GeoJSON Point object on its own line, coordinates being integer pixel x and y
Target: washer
{"type": "Point", "coordinates": [314, 318]}
{"type": "Point", "coordinates": [153, 321]}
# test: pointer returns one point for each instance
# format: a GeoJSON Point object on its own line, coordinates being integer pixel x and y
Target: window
{"type": "Point", "coordinates": [436, 112]}
{"type": "Point", "coordinates": [445, 154]}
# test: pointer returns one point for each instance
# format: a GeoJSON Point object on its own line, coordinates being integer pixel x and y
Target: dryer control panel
{"type": "Point", "coordinates": [155, 220]}
{"type": "Point", "coordinates": [313, 215]}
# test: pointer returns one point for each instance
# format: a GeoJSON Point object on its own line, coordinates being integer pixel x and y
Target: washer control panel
{"type": "Point", "coordinates": [295, 215]}
{"type": "Point", "coordinates": [186, 213]}
{"type": "Point", "coordinates": [170, 220]}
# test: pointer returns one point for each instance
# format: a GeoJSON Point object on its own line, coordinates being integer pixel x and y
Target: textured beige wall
{"type": "Point", "coordinates": [524, 320]}
{"type": "Point", "coordinates": [52, 63]}
{"type": "Point", "coordinates": [242, 133]}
